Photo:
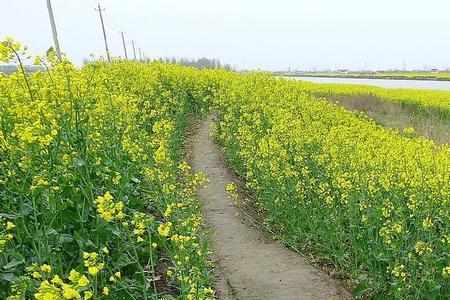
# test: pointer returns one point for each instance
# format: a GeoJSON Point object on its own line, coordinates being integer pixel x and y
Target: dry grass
{"type": "Point", "coordinates": [429, 124]}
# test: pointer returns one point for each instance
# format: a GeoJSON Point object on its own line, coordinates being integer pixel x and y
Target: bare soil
{"type": "Point", "coordinates": [248, 265]}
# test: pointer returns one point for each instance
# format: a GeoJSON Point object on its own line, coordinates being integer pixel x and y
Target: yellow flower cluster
{"type": "Point", "coordinates": [446, 272]}
{"type": "Point", "coordinates": [164, 229]}
{"type": "Point", "coordinates": [117, 178]}
{"type": "Point", "coordinates": [53, 287]}
{"type": "Point", "coordinates": [422, 248]}
{"type": "Point", "coordinates": [169, 210]}
{"type": "Point", "coordinates": [199, 179]}
{"type": "Point", "coordinates": [205, 293]}
{"type": "Point", "coordinates": [232, 193]}
{"type": "Point", "coordinates": [108, 209]}
{"type": "Point", "coordinates": [93, 263]}
{"type": "Point", "coordinates": [8, 48]}
{"type": "Point", "coordinates": [195, 181]}
{"type": "Point", "coordinates": [114, 278]}
{"type": "Point", "coordinates": [399, 271]}
{"type": "Point", "coordinates": [5, 232]}
{"type": "Point", "coordinates": [181, 239]}
{"type": "Point", "coordinates": [427, 223]}
{"type": "Point", "coordinates": [141, 223]}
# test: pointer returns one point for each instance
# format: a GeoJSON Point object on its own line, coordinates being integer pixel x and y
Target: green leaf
{"type": "Point", "coordinates": [360, 289]}
{"type": "Point", "coordinates": [12, 264]}
{"type": "Point", "coordinates": [7, 277]}
{"type": "Point", "coordinates": [80, 162]}
{"type": "Point", "coordinates": [116, 232]}
{"type": "Point", "coordinates": [135, 180]}
{"type": "Point", "coordinates": [8, 216]}
{"type": "Point", "coordinates": [25, 210]}
{"type": "Point", "coordinates": [65, 238]}
{"type": "Point", "coordinates": [18, 256]}
{"type": "Point", "coordinates": [51, 231]}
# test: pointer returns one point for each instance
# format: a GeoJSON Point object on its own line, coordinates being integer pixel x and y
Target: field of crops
{"type": "Point", "coordinates": [97, 202]}
{"type": "Point", "coordinates": [415, 75]}
{"type": "Point", "coordinates": [423, 100]}
{"type": "Point", "coordinates": [372, 204]}
{"type": "Point", "coordinates": [392, 75]}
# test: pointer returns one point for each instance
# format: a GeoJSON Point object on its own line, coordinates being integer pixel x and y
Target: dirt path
{"type": "Point", "coordinates": [248, 265]}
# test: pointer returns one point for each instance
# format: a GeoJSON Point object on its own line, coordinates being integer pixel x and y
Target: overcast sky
{"type": "Point", "coordinates": [256, 33]}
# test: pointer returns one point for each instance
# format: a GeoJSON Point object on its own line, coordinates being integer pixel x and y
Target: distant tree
{"type": "Point", "coordinates": [9, 69]}
{"type": "Point", "coordinates": [199, 63]}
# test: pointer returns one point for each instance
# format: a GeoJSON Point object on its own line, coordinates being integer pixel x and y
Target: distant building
{"type": "Point", "coordinates": [434, 71]}
{"type": "Point", "coordinates": [343, 71]}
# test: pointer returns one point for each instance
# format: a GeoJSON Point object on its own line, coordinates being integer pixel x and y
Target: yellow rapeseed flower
{"type": "Point", "coordinates": [88, 295]}
{"type": "Point", "coordinates": [10, 225]}
{"type": "Point", "coordinates": [46, 268]}
{"type": "Point", "coordinates": [83, 281]}
{"type": "Point", "coordinates": [105, 291]}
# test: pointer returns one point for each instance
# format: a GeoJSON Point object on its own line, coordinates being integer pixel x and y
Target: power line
{"type": "Point", "coordinates": [88, 5]}
{"type": "Point", "coordinates": [116, 25]}
{"type": "Point", "coordinates": [106, 18]}
{"type": "Point", "coordinates": [112, 22]}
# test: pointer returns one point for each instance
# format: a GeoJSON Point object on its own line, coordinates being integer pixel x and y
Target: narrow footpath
{"type": "Point", "coordinates": [249, 265]}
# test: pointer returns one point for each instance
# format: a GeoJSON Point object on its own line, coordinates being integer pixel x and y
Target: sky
{"type": "Point", "coordinates": [250, 34]}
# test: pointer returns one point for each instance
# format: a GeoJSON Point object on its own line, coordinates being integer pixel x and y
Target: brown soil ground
{"type": "Point", "coordinates": [248, 265]}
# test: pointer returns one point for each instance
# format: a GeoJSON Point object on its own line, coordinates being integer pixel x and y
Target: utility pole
{"type": "Point", "coordinates": [124, 46]}
{"type": "Point", "coordinates": [104, 32]}
{"type": "Point", "coordinates": [52, 23]}
{"type": "Point", "coordinates": [134, 50]}
{"type": "Point", "coordinates": [140, 54]}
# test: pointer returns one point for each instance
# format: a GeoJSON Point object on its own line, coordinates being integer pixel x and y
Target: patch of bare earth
{"type": "Point", "coordinates": [247, 264]}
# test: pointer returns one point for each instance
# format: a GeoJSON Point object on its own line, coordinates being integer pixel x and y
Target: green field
{"type": "Point", "coordinates": [444, 76]}
{"type": "Point", "coordinates": [99, 203]}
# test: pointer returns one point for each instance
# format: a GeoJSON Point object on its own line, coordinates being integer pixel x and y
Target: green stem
{"type": "Point", "coordinates": [23, 72]}
{"type": "Point", "coordinates": [152, 265]}
{"type": "Point", "coordinates": [144, 280]}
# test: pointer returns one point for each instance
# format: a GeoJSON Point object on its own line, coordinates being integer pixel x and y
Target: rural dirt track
{"type": "Point", "coordinates": [248, 265]}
